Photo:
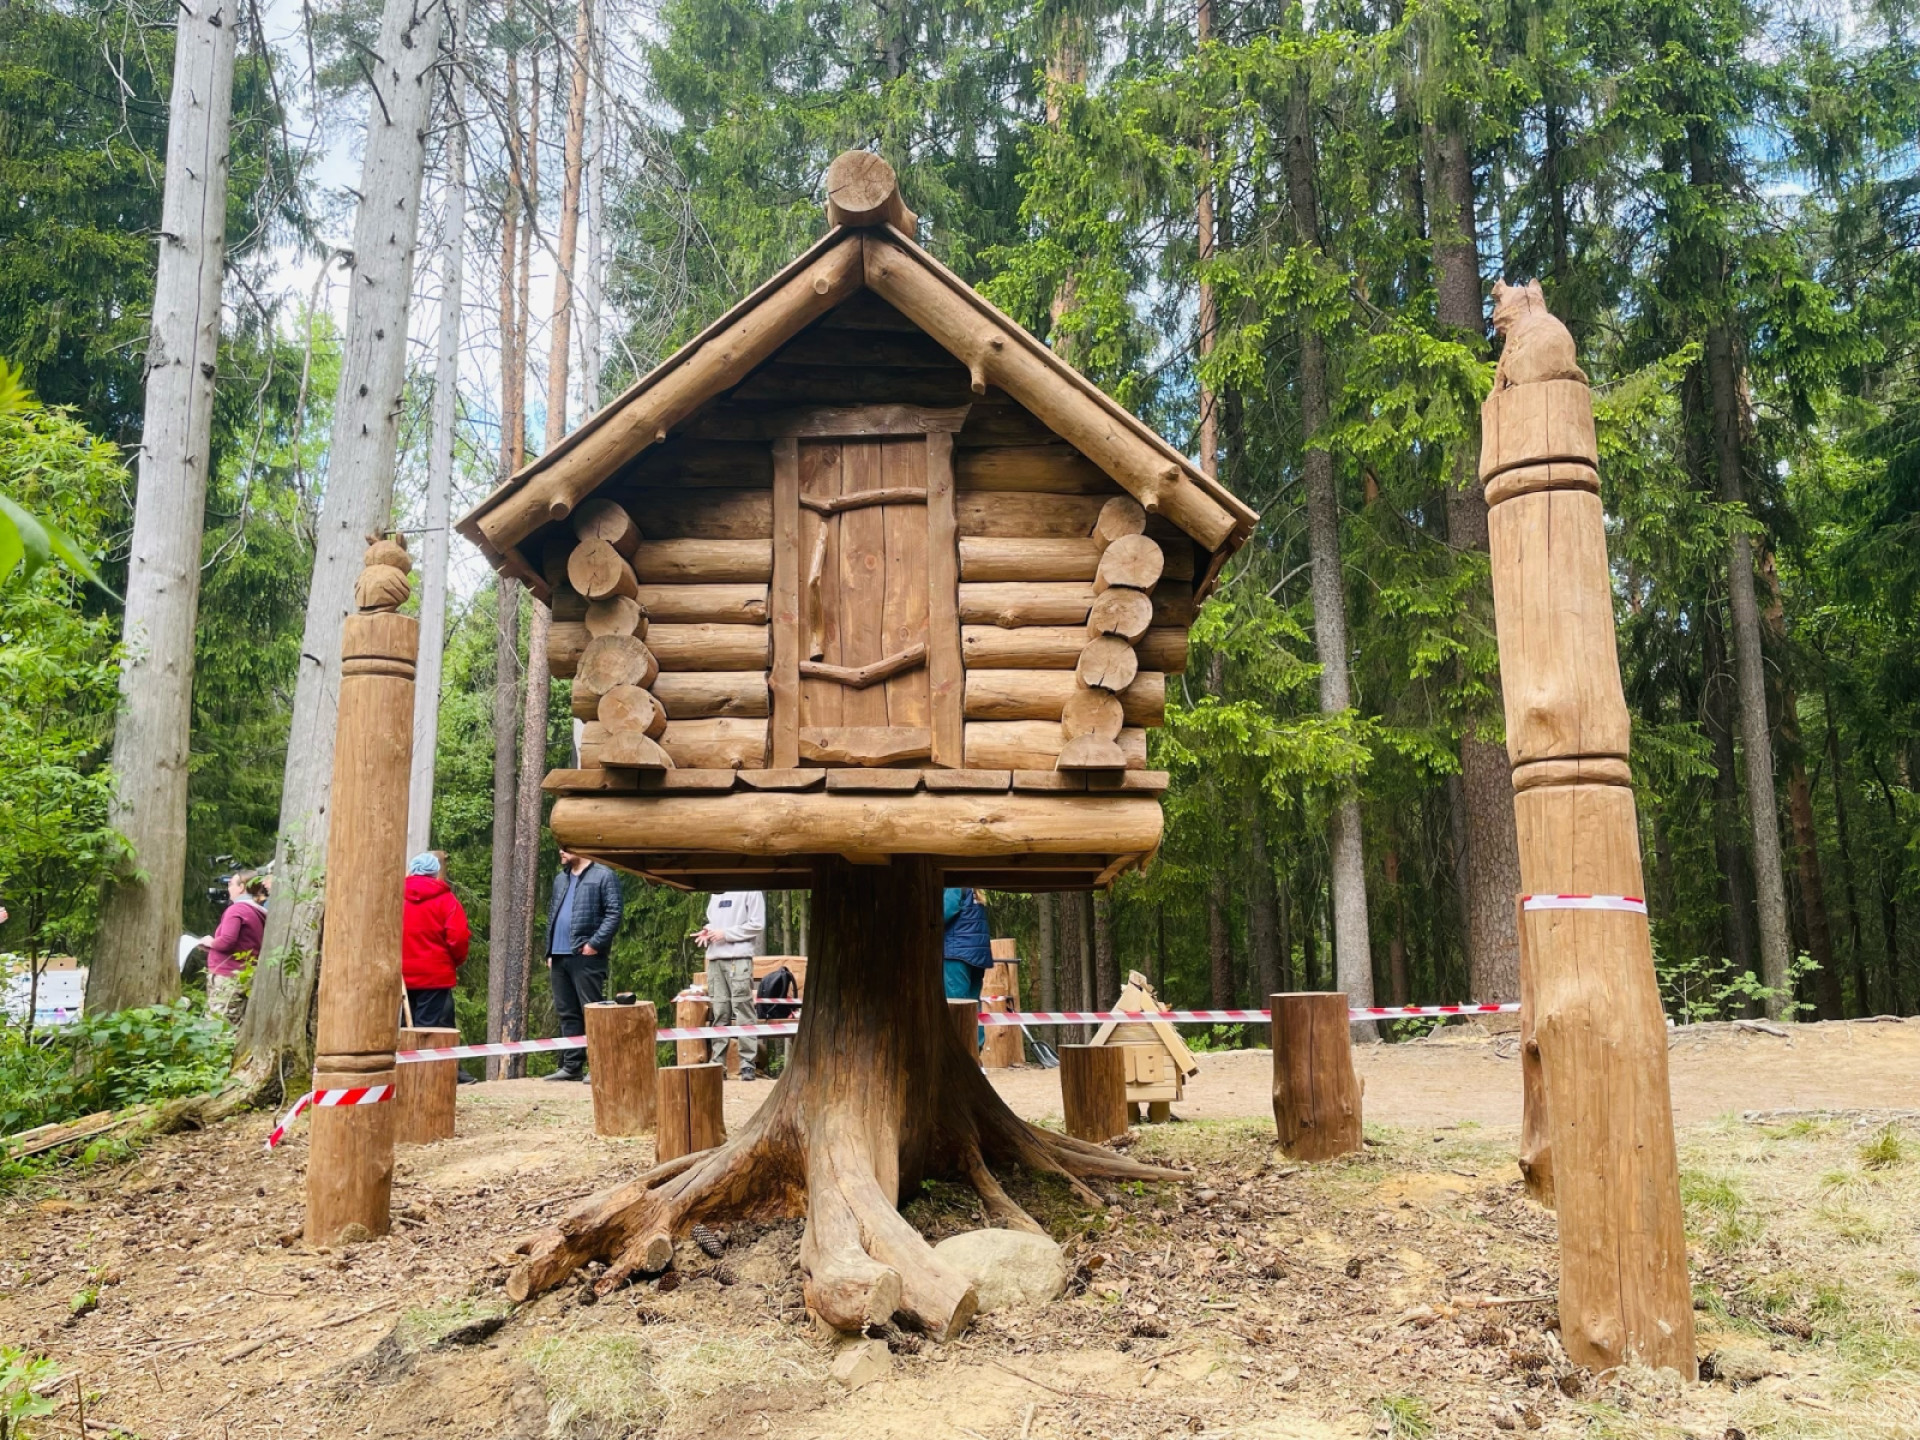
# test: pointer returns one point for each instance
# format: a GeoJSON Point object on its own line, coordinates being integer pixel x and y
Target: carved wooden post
{"type": "Point", "coordinates": [350, 1162]}
{"type": "Point", "coordinates": [1594, 1001]}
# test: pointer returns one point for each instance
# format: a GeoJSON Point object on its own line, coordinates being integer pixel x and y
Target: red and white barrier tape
{"type": "Point", "coordinates": [1633, 904]}
{"type": "Point", "coordinates": [324, 1099]}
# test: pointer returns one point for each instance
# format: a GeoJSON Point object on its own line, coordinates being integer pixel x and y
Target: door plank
{"type": "Point", "coordinates": [861, 602]}
{"type": "Point", "coordinates": [820, 467]}
{"type": "Point", "coordinates": [946, 671]}
{"type": "Point", "coordinates": [903, 464]}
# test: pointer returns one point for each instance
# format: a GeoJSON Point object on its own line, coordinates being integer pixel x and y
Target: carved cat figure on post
{"type": "Point", "coordinates": [1538, 346]}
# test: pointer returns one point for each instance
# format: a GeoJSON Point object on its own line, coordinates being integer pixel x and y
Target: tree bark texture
{"type": "Point", "coordinates": [1219, 942]}
{"type": "Point", "coordinates": [1316, 1094]}
{"type": "Point", "coordinates": [1492, 857]}
{"type": "Point", "coordinates": [1106, 972]}
{"type": "Point", "coordinates": [1750, 678]}
{"type": "Point", "coordinates": [1736, 884]}
{"type": "Point", "coordinates": [439, 509]}
{"type": "Point", "coordinates": [1264, 925]}
{"type": "Point", "coordinates": [140, 909]}
{"type": "Point", "coordinates": [1353, 960]}
{"type": "Point", "coordinates": [878, 1094]}
{"type": "Point", "coordinates": [359, 501]}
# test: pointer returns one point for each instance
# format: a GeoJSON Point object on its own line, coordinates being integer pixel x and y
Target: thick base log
{"type": "Point", "coordinates": [878, 1094]}
{"type": "Point", "coordinates": [622, 1064]}
{"type": "Point", "coordinates": [1536, 1143]}
{"type": "Point", "coordinates": [965, 1015]}
{"type": "Point", "coordinates": [424, 1095]}
{"type": "Point", "coordinates": [1002, 985]}
{"type": "Point", "coordinates": [1316, 1095]}
{"type": "Point", "coordinates": [690, 1015]}
{"type": "Point", "coordinates": [692, 1116]}
{"type": "Point", "coordinates": [1093, 1091]}
{"type": "Point", "coordinates": [349, 1161]}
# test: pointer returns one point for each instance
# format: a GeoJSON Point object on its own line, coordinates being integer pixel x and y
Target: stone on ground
{"type": "Point", "coordinates": [861, 1362]}
{"type": "Point", "coordinates": [1008, 1268]}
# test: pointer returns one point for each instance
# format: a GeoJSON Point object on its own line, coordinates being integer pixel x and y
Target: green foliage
{"type": "Point", "coordinates": [108, 1062]}
{"type": "Point", "coordinates": [1885, 1150]}
{"type": "Point", "coordinates": [20, 1372]}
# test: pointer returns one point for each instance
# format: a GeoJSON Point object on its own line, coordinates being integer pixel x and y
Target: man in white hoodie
{"type": "Point", "coordinates": [736, 920]}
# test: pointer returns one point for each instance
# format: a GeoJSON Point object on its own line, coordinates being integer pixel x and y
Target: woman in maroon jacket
{"type": "Point", "coordinates": [434, 937]}
{"type": "Point", "coordinates": [235, 944]}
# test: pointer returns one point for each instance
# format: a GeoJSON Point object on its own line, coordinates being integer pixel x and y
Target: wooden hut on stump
{"type": "Point", "coordinates": [864, 590]}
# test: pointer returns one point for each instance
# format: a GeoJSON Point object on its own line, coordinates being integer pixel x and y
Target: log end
{"type": "Point", "coordinates": [862, 190]}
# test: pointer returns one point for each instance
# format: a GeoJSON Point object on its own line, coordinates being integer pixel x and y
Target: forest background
{"type": "Point", "coordinates": [1270, 231]}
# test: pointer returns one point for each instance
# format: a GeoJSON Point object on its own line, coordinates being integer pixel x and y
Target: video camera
{"type": "Point", "coordinates": [217, 892]}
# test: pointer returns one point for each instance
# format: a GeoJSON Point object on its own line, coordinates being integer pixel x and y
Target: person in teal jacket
{"type": "Point", "coordinates": [968, 950]}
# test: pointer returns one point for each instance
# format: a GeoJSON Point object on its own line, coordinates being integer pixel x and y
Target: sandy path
{"type": "Point", "coordinates": [1463, 1076]}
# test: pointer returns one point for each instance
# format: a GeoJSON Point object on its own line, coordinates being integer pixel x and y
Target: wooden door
{"type": "Point", "coordinates": [866, 625]}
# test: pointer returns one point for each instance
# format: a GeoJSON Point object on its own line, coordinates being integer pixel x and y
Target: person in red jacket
{"type": "Point", "coordinates": [434, 936]}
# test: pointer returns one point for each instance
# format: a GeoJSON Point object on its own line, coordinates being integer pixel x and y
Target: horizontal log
{"type": "Point", "coordinates": [861, 677]}
{"type": "Point", "coordinates": [1036, 515]}
{"type": "Point", "coordinates": [1058, 647]}
{"type": "Point", "coordinates": [763, 823]}
{"type": "Point", "coordinates": [1553, 600]}
{"type": "Point", "coordinates": [1043, 695]}
{"type": "Point", "coordinates": [566, 639]}
{"type": "Point", "coordinates": [1034, 745]}
{"type": "Point", "coordinates": [998, 419]}
{"type": "Point", "coordinates": [702, 514]}
{"type": "Point", "coordinates": [863, 778]}
{"type": "Point", "coordinates": [703, 562]}
{"type": "Point", "coordinates": [811, 385]}
{"type": "Point", "coordinates": [583, 701]}
{"type": "Point", "coordinates": [1003, 354]}
{"type": "Point", "coordinates": [598, 571]}
{"type": "Point", "coordinates": [1107, 663]}
{"type": "Point", "coordinates": [616, 615]}
{"type": "Point", "coordinates": [729, 461]}
{"type": "Point", "coordinates": [1138, 563]}
{"type": "Point", "coordinates": [612, 660]}
{"type": "Point", "coordinates": [711, 647]}
{"type": "Point", "coordinates": [1528, 424]}
{"type": "Point", "coordinates": [1058, 468]}
{"type": "Point", "coordinates": [981, 780]}
{"type": "Point", "coordinates": [629, 708]}
{"type": "Point", "coordinates": [1120, 611]}
{"type": "Point", "coordinates": [704, 604]}
{"type": "Point", "coordinates": [825, 422]}
{"type": "Point", "coordinates": [864, 744]}
{"type": "Point", "coordinates": [720, 744]}
{"type": "Point", "coordinates": [894, 350]}
{"type": "Point", "coordinates": [1121, 516]}
{"type": "Point", "coordinates": [588, 780]}
{"type": "Point", "coordinates": [709, 694]}
{"type": "Point", "coordinates": [1062, 602]}
{"type": "Point", "coordinates": [604, 519]}
{"type": "Point", "coordinates": [718, 359]}
{"type": "Point", "coordinates": [988, 558]}
{"type": "Point", "coordinates": [565, 602]}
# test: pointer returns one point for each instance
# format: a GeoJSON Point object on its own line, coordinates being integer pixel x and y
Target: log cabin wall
{"type": "Point", "coordinates": [664, 582]}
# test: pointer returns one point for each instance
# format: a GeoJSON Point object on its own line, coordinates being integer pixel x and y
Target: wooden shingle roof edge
{"type": "Point", "coordinates": [880, 256]}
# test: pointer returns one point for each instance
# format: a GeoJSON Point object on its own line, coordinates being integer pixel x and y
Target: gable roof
{"type": "Point", "coordinates": [845, 261]}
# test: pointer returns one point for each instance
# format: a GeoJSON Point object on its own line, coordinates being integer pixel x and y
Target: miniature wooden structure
{"type": "Point", "coordinates": [1592, 1000]}
{"type": "Point", "coordinates": [424, 1096]}
{"type": "Point", "coordinates": [863, 590]}
{"type": "Point", "coordinates": [1316, 1094]}
{"type": "Point", "coordinates": [350, 1158]}
{"type": "Point", "coordinates": [1093, 1091]}
{"type": "Point", "coordinates": [1158, 1062]}
{"type": "Point", "coordinates": [622, 1065]}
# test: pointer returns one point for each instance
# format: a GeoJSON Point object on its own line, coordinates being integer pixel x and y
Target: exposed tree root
{"type": "Point", "coordinates": [878, 1094]}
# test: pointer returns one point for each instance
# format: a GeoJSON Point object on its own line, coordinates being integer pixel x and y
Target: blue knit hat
{"type": "Point", "coordinates": [425, 863]}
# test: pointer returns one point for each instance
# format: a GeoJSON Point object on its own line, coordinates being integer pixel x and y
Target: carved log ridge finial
{"type": "Point", "coordinates": [382, 583]}
{"type": "Point", "coordinates": [862, 190]}
{"type": "Point", "coordinates": [1539, 346]}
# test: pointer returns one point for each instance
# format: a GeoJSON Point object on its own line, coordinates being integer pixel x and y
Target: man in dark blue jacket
{"type": "Point", "coordinates": [581, 923]}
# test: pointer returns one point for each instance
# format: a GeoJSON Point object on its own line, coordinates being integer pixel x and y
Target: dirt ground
{"type": "Point", "coordinates": [1406, 1291]}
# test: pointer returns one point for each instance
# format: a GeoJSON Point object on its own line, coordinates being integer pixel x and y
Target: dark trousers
{"type": "Point", "coordinates": [432, 1009]}
{"type": "Point", "coordinates": [578, 981]}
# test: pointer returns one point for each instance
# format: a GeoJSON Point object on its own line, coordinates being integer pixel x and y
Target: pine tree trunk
{"type": "Point", "coordinates": [439, 509]}
{"type": "Point", "coordinates": [1263, 918]}
{"type": "Point", "coordinates": [1049, 990]}
{"type": "Point", "coordinates": [1209, 318]}
{"type": "Point", "coordinates": [1750, 690]}
{"type": "Point", "coordinates": [1856, 944]}
{"type": "Point", "coordinates": [1219, 942]}
{"type": "Point", "coordinates": [1353, 960]}
{"type": "Point", "coordinates": [141, 908]}
{"type": "Point", "coordinates": [1106, 970]}
{"type": "Point", "coordinates": [1492, 865]}
{"type": "Point", "coordinates": [1736, 892]}
{"type": "Point", "coordinates": [359, 501]}
{"type": "Point", "coordinates": [504, 1022]}
{"type": "Point", "coordinates": [1397, 946]}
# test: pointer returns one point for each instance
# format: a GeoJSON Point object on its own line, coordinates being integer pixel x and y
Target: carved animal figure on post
{"type": "Point", "coordinates": [1539, 346]}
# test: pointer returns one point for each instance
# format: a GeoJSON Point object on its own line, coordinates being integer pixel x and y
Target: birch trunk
{"type": "Point", "coordinates": [140, 909]}
{"type": "Point", "coordinates": [433, 560]}
{"type": "Point", "coordinates": [359, 500]}
{"type": "Point", "coordinates": [1352, 949]}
